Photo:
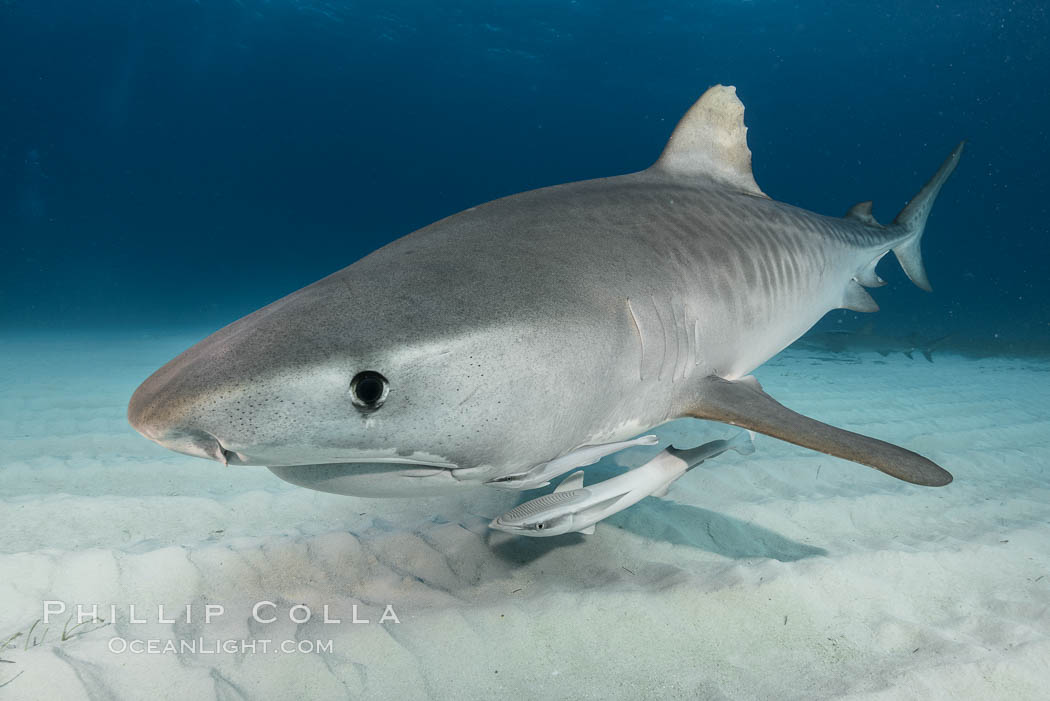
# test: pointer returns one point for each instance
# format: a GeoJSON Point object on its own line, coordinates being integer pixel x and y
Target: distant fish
{"type": "Point", "coordinates": [571, 507]}
{"type": "Point", "coordinates": [523, 330]}
{"type": "Point", "coordinates": [866, 340]}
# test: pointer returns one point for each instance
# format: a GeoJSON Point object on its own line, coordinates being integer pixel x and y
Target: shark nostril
{"type": "Point", "coordinates": [212, 448]}
{"type": "Point", "coordinates": [196, 442]}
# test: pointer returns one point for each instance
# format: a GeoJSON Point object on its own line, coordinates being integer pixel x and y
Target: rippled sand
{"type": "Point", "coordinates": [785, 574]}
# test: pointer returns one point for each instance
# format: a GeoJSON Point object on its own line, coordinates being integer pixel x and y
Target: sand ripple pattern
{"type": "Point", "coordinates": [785, 574]}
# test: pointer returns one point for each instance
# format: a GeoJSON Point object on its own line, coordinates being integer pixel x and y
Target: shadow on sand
{"type": "Point", "coordinates": [678, 524]}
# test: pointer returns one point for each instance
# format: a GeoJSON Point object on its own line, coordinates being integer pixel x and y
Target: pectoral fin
{"type": "Point", "coordinates": [744, 403]}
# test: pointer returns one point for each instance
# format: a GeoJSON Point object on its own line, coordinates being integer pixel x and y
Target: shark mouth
{"type": "Point", "coordinates": [413, 467]}
{"type": "Point", "coordinates": [400, 461]}
{"type": "Point", "coordinates": [232, 457]}
{"type": "Point", "coordinates": [392, 478]}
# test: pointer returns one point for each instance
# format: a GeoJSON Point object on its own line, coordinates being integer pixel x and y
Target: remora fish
{"type": "Point", "coordinates": [571, 507]}
{"type": "Point", "coordinates": [518, 331]}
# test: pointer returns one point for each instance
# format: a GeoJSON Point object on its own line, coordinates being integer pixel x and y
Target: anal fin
{"type": "Point", "coordinates": [857, 299]}
{"type": "Point", "coordinates": [867, 275]}
{"type": "Point", "coordinates": [745, 404]}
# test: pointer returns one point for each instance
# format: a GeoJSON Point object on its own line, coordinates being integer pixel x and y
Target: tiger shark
{"type": "Point", "coordinates": [540, 327]}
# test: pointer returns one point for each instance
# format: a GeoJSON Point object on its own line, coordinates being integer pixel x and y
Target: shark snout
{"type": "Point", "coordinates": [157, 417]}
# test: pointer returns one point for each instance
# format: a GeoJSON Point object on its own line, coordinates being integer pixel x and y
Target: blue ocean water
{"type": "Point", "coordinates": [178, 164]}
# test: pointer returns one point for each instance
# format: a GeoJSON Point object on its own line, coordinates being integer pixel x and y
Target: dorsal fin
{"type": "Point", "coordinates": [573, 481]}
{"type": "Point", "coordinates": [862, 212]}
{"type": "Point", "coordinates": [711, 141]}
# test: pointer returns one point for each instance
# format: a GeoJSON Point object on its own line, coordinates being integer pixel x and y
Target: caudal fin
{"type": "Point", "coordinates": [912, 221]}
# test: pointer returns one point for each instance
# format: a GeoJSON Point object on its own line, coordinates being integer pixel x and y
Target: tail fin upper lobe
{"type": "Point", "coordinates": [912, 221]}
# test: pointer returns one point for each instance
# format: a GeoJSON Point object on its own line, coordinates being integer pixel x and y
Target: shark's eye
{"type": "Point", "coordinates": [539, 526]}
{"type": "Point", "coordinates": [368, 390]}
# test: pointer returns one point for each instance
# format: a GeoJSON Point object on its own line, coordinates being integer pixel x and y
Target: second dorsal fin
{"type": "Point", "coordinates": [862, 212]}
{"type": "Point", "coordinates": [711, 141]}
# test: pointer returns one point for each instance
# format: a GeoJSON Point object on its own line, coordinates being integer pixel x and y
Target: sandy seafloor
{"type": "Point", "coordinates": [785, 574]}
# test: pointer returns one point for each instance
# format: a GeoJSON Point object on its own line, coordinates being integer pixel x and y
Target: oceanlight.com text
{"type": "Point", "coordinates": [205, 646]}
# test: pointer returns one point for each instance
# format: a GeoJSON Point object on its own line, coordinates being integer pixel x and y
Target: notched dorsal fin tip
{"type": "Point", "coordinates": [711, 141]}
